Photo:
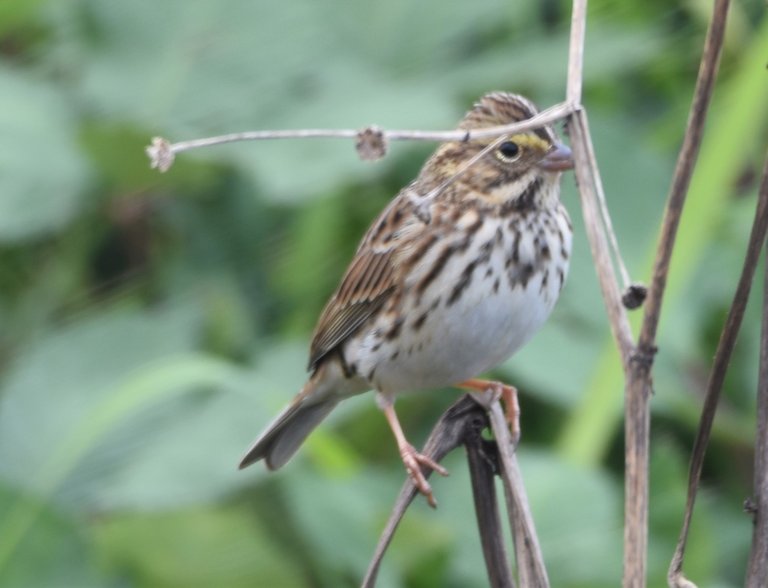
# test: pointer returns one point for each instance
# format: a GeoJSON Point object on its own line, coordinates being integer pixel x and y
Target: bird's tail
{"type": "Point", "coordinates": [284, 435]}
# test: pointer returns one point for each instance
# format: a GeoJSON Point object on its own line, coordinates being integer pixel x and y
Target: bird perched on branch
{"type": "Point", "coordinates": [455, 275]}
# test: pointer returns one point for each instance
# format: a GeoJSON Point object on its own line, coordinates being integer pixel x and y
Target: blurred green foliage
{"type": "Point", "coordinates": [152, 324]}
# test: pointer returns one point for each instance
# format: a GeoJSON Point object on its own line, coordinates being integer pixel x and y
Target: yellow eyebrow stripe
{"type": "Point", "coordinates": [531, 141]}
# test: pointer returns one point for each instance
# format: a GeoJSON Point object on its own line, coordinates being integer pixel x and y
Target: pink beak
{"type": "Point", "coordinates": [559, 159]}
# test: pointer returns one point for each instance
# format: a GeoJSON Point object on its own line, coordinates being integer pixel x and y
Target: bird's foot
{"type": "Point", "coordinates": [508, 395]}
{"type": "Point", "coordinates": [414, 461]}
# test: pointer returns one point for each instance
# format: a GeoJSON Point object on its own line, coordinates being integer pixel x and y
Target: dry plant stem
{"type": "Point", "coordinates": [528, 555]}
{"type": "Point", "coordinates": [590, 185]}
{"type": "Point", "coordinates": [573, 97]}
{"type": "Point", "coordinates": [717, 375]}
{"type": "Point", "coordinates": [636, 407]}
{"type": "Point", "coordinates": [637, 428]}
{"type": "Point", "coordinates": [576, 52]}
{"type": "Point", "coordinates": [639, 386]}
{"type": "Point", "coordinates": [482, 457]}
{"type": "Point", "coordinates": [163, 152]}
{"type": "Point", "coordinates": [757, 570]}
{"type": "Point", "coordinates": [462, 424]}
{"type": "Point", "coordinates": [686, 161]}
{"type": "Point", "coordinates": [588, 178]}
{"type": "Point", "coordinates": [463, 420]}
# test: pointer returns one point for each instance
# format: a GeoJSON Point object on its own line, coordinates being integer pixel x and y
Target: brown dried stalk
{"type": "Point", "coordinates": [717, 375]}
{"type": "Point", "coordinates": [637, 412]}
{"type": "Point", "coordinates": [462, 424]}
{"type": "Point", "coordinates": [639, 383]}
{"type": "Point", "coordinates": [757, 570]}
{"type": "Point", "coordinates": [370, 141]}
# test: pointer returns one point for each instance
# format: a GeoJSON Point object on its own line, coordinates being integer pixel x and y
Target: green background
{"type": "Point", "coordinates": [151, 324]}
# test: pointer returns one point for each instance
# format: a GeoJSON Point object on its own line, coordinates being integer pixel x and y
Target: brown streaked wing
{"type": "Point", "coordinates": [368, 283]}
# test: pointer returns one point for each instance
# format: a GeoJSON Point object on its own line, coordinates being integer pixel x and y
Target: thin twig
{"type": "Point", "coordinates": [162, 152]}
{"type": "Point", "coordinates": [573, 96]}
{"type": "Point", "coordinates": [757, 570]}
{"type": "Point", "coordinates": [686, 161]}
{"type": "Point", "coordinates": [457, 422]}
{"type": "Point", "coordinates": [717, 375]}
{"type": "Point", "coordinates": [483, 461]}
{"type": "Point", "coordinates": [639, 384]}
{"type": "Point", "coordinates": [637, 412]}
{"type": "Point", "coordinates": [530, 561]}
{"type": "Point", "coordinates": [576, 52]}
{"type": "Point", "coordinates": [460, 424]}
{"type": "Point", "coordinates": [636, 408]}
{"type": "Point", "coordinates": [588, 178]}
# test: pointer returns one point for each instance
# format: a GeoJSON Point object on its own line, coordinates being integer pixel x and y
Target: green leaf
{"type": "Point", "coordinates": [195, 548]}
{"type": "Point", "coordinates": [42, 172]}
{"type": "Point", "coordinates": [75, 388]}
{"type": "Point", "coordinates": [55, 552]}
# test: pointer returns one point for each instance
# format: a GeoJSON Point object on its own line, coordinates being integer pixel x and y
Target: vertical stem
{"type": "Point", "coordinates": [530, 562]}
{"type": "Point", "coordinates": [681, 179]}
{"type": "Point", "coordinates": [487, 511]}
{"type": "Point", "coordinates": [588, 178]}
{"type": "Point", "coordinates": [639, 376]}
{"type": "Point", "coordinates": [757, 570]}
{"type": "Point", "coordinates": [717, 375]}
{"type": "Point", "coordinates": [636, 473]}
{"type": "Point", "coordinates": [576, 52]}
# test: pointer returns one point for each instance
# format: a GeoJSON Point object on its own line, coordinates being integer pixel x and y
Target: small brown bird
{"type": "Point", "coordinates": [455, 275]}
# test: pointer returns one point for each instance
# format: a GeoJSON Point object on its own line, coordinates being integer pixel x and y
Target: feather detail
{"type": "Point", "coordinates": [365, 287]}
{"type": "Point", "coordinates": [372, 277]}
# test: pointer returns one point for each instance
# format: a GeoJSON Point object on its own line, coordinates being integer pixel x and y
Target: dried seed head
{"type": "Point", "coordinates": [160, 154]}
{"type": "Point", "coordinates": [634, 296]}
{"type": "Point", "coordinates": [371, 143]}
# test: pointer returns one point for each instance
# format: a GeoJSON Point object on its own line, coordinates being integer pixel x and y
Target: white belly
{"type": "Point", "coordinates": [481, 327]}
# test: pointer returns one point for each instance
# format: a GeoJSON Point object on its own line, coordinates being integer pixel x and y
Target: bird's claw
{"type": "Point", "coordinates": [413, 461]}
{"type": "Point", "coordinates": [511, 408]}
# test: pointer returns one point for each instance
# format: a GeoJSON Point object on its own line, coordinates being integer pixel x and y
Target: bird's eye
{"type": "Point", "coordinates": [509, 151]}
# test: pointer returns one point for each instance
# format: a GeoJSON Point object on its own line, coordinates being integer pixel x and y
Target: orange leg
{"type": "Point", "coordinates": [507, 393]}
{"type": "Point", "coordinates": [412, 459]}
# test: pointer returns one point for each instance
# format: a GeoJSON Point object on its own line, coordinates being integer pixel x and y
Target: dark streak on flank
{"type": "Point", "coordinates": [395, 330]}
{"type": "Point", "coordinates": [350, 370]}
{"type": "Point", "coordinates": [516, 247]}
{"type": "Point", "coordinates": [419, 322]}
{"type": "Point", "coordinates": [436, 268]}
{"type": "Point", "coordinates": [464, 281]}
{"type": "Point", "coordinates": [466, 275]}
{"type": "Point", "coordinates": [445, 255]}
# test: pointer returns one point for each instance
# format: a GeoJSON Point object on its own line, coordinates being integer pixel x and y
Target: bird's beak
{"type": "Point", "coordinates": [559, 159]}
